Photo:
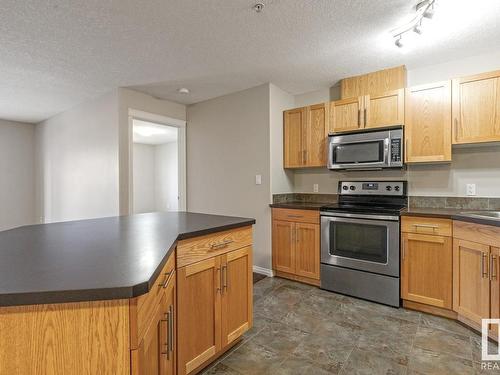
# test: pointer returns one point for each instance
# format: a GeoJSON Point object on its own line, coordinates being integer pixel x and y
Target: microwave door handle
{"type": "Point", "coordinates": [387, 159]}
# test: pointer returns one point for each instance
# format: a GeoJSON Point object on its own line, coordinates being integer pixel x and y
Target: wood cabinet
{"type": "Point", "coordinates": [374, 83]}
{"type": "Point", "coordinates": [475, 272]}
{"type": "Point", "coordinates": [305, 132]}
{"type": "Point", "coordinates": [428, 123]}
{"type": "Point", "coordinates": [426, 263]}
{"type": "Point", "coordinates": [296, 244]}
{"type": "Point", "coordinates": [476, 108]}
{"type": "Point", "coordinates": [368, 111]}
{"type": "Point", "coordinates": [214, 303]}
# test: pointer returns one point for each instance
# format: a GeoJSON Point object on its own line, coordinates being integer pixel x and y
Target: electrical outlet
{"type": "Point", "coordinates": [258, 179]}
{"type": "Point", "coordinates": [471, 189]}
{"type": "Point", "coordinates": [315, 188]}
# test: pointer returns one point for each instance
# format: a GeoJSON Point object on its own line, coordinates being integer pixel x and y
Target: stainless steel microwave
{"type": "Point", "coordinates": [369, 150]}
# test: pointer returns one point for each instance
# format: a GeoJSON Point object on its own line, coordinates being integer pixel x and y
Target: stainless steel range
{"type": "Point", "coordinates": [360, 240]}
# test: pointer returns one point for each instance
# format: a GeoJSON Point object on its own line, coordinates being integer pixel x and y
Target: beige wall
{"type": "Point", "coordinates": [279, 100]}
{"type": "Point", "coordinates": [228, 143]}
{"type": "Point", "coordinates": [77, 162]}
{"type": "Point", "coordinates": [17, 174]}
{"type": "Point", "coordinates": [129, 99]}
{"type": "Point", "coordinates": [478, 164]}
{"type": "Point", "coordinates": [144, 178]}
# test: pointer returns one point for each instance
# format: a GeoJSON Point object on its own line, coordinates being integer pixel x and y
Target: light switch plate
{"type": "Point", "coordinates": [471, 189]}
{"type": "Point", "coordinates": [315, 188]}
{"type": "Point", "coordinates": [258, 179]}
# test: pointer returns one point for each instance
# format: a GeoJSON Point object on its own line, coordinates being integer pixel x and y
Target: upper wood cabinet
{"type": "Point", "coordinates": [476, 108]}
{"type": "Point", "coordinates": [305, 132]}
{"type": "Point", "coordinates": [374, 83]}
{"type": "Point", "coordinates": [428, 123]}
{"type": "Point", "coordinates": [385, 109]}
{"type": "Point", "coordinates": [346, 114]}
{"type": "Point", "coordinates": [368, 111]}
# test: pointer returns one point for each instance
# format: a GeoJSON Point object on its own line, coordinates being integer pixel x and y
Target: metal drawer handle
{"type": "Point", "coordinates": [168, 276]}
{"type": "Point", "coordinates": [220, 245]}
{"type": "Point", "coordinates": [295, 216]}
{"type": "Point", "coordinates": [426, 226]}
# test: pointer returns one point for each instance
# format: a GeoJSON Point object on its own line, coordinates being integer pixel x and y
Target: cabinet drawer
{"type": "Point", "coordinates": [484, 234]}
{"type": "Point", "coordinates": [196, 249]}
{"type": "Point", "coordinates": [426, 225]}
{"type": "Point", "coordinates": [142, 308]}
{"type": "Point", "coordinates": [300, 216]}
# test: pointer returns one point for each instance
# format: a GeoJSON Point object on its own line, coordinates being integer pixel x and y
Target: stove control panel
{"type": "Point", "coordinates": [397, 188]}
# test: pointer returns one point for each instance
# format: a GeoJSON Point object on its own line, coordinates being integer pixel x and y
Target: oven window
{"type": "Point", "coordinates": [359, 241]}
{"type": "Point", "coordinates": [362, 152]}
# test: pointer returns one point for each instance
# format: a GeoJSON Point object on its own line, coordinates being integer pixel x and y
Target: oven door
{"type": "Point", "coordinates": [361, 242]}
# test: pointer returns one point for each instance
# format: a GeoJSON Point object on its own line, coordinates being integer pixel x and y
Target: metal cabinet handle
{"type": "Point", "coordinates": [219, 284]}
{"type": "Point", "coordinates": [168, 276]}
{"type": "Point", "coordinates": [484, 274]}
{"type": "Point", "coordinates": [493, 267]}
{"type": "Point", "coordinates": [167, 344]}
{"type": "Point", "coordinates": [171, 329]}
{"type": "Point", "coordinates": [403, 249]}
{"type": "Point", "coordinates": [456, 129]}
{"type": "Point", "coordinates": [359, 117]}
{"type": "Point", "coordinates": [224, 277]}
{"type": "Point", "coordinates": [364, 123]}
{"type": "Point", "coordinates": [220, 245]}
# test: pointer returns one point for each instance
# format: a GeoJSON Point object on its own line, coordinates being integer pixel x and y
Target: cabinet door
{"type": "Point", "coordinates": [428, 123]}
{"type": "Point", "coordinates": [345, 114]}
{"type": "Point", "coordinates": [316, 135]}
{"type": "Point", "coordinates": [471, 286]}
{"type": "Point", "coordinates": [237, 294]}
{"type": "Point", "coordinates": [427, 269]}
{"type": "Point", "coordinates": [476, 108]}
{"type": "Point", "coordinates": [293, 128]}
{"type": "Point", "coordinates": [198, 313]}
{"type": "Point", "coordinates": [384, 109]}
{"type": "Point", "coordinates": [153, 349]}
{"type": "Point", "coordinates": [283, 246]}
{"type": "Point", "coordinates": [168, 365]}
{"type": "Point", "coordinates": [494, 288]}
{"type": "Point", "coordinates": [307, 250]}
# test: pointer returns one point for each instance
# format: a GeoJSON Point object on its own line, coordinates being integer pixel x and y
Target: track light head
{"type": "Point", "coordinates": [429, 13]}
{"type": "Point", "coordinates": [418, 29]}
{"type": "Point", "coordinates": [399, 42]}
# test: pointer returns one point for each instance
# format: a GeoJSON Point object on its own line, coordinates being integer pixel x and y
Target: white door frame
{"type": "Point", "coordinates": [134, 114]}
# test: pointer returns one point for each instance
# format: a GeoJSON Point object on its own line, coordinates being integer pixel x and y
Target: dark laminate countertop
{"type": "Point", "coordinates": [299, 205]}
{"type": "Point", "coordinates": [108, 258]}
{"type": "Point", "coordinates": [450, 213]}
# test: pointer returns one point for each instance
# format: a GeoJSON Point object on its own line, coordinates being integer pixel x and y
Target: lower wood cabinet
{"type": "Point", "coordinates": [296, 244]}
{"type": "Point", "coordinates": [427, 269]}
{"type": "Point", "coordinates": [214, 306]}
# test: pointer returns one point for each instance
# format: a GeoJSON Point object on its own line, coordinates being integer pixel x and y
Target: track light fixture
{"type": "Point", "coordinates": [424, 9]}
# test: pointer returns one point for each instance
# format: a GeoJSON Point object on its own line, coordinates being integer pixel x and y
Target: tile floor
{"type": "Point", "coordinates": [299, 329]}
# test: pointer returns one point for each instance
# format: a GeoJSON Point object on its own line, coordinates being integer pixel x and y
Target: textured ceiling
{"type": "Point", "coordinates": [56, 54]}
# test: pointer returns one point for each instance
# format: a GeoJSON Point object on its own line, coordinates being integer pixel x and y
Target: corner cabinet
{"type": "Point", "coordinates": [428, 123]}
{"type": "Point", "coordinates": [305, 132]}
{"type": "Point", "coordinates": [476, 108]}
{"type": "Point", "coordinates": [215, 296]}
{"type": "Point", "coordinates": [426, 261]}
{"type": "Point", "coordinates": [367, 112]}
{"type": "Point", "coordinates": [296, 244]}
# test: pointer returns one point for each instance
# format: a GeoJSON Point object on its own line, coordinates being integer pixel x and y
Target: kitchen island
{"type": "Point", "coordinates": [156, 293]}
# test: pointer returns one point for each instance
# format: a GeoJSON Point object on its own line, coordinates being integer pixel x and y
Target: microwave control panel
{"type": "Point", "coordinates": [396, 150]}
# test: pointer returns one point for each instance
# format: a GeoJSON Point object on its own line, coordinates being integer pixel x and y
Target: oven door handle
{"type": "Point", "coordinates": [341, 216]}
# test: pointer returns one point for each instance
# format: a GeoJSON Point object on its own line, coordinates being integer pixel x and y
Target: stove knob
{"type": "Point", "coordinates": [345, 187]}
{"type": "Point", "coordinates": [388, 188]}
{"type": "Point", "coordinates": [397, 188]}
{"type": "Point", "coordinates": [352, 187]}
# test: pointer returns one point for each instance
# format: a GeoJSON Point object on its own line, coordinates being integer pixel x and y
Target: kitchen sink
{"type": "Point", "coordinates": [495, 215]}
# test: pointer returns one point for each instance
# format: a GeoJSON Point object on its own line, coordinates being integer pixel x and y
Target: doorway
{"type": "Point", "coordinates": [157, 164]}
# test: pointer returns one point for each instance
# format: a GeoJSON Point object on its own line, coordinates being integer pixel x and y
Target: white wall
{"type": "Point", "coordinates": [77, 157]}
{"type": "Point", "coordinates": [228, 143]}
{"type": "Point", "coordinates": [129, 99]}
{"type": "Point", "coordinates": [144, 178]}
{"type": "Point", "coordinates": [479, 164]}
{"type": "Point", "coordinates": [17, 174]}
{"type": "Point", "coordinates": [166, 177]}
{"type": "Point", "coordinates": [279, 100]}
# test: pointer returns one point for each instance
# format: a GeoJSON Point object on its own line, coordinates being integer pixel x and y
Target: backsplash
{"type": "Point", "coordinates": [305, 197]}
{"type": "Point", "coordinates": [467, 203]}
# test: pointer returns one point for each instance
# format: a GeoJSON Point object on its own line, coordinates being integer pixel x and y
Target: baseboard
{"type": "Point", "coordinates": [263, 271]}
